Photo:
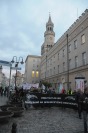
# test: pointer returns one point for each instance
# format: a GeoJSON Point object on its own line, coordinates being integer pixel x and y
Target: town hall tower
{"type": "Point", "coordinates": [48, 37]}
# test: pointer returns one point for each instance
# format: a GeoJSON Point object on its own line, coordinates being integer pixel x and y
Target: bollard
{"type": "Point", "coordinates": [14, 128]}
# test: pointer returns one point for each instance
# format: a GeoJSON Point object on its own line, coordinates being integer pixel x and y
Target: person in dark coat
{"type": "Point", "coordinates": [80, 97]}
{"type": "Point", "coordinates": [2, 91]}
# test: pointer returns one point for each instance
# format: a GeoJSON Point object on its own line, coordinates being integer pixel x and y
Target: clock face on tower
{"type": "Point", "coordinates": [50, 38]}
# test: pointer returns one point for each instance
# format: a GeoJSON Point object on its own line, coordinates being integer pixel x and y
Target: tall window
{"type": "Point", "coordinates": [50, 71]}
{"type": "Point", "coordinates": [69, 48]}
{"type": "Point", "coordinates": [51, 62]}
{"type": "Point", "coordinates": [75, 44]}
{"type": "Point", "coordinates": [45, 74]}
{"type": "Point", "coordinates": [83, 39]}
{"type": "Point", "coordinates": [63, 52]}
{"type": "Point", "coordinates": [33, 65]}
{"type": "Point", "coordinates": [33, 74]}
{"type": "Point", "coordinates": [84, 58]}
{"type": "Point", "coordinates": [58, 56]}
{"type": "Point", "coordinates": [76, 61]}
{"type": "Point", "coordinates": [37, 74]}
{"type": "Point", "coordinates": [46, 58]}
{"type": "Point", "coordinates": [54, 59]}
{"type": "Point", "coordinates": [69, 63]}
{"type": "Point", "coordinates": [58, 68]}
{"type": "Point", "coordinates": [63, 66]}
{"type": "Point", "coordinates": [54, 71]}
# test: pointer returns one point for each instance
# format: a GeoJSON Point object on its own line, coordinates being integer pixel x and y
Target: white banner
{"type": "Point", "coordinates": [27, 86]}
{"type": "Point", "coordinates": [80, 84]}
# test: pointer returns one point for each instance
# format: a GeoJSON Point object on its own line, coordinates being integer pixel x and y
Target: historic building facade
{"type": "Point", "coordinates": [32, 69]}
{"type": "Point", "coordinates": [19, 79]}
{"type": "Point", "coordinates": [66, 59]}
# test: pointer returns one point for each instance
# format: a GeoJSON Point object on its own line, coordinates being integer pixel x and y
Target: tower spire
{"type": "Point", "coordinates": [49, 27]}
{"type": "Point", "coordinates": [49, 36]}
{"type": "Point", "coordinates": [49, 21]}
{"type": "Point", "coordinates": [49, 16]}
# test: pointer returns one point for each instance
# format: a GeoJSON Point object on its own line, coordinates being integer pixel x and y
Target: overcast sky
{"type": "Point", "coordinates": [23, 23]}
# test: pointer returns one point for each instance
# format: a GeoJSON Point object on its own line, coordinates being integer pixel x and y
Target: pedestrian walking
{"type": "Point", "coordinates": [14, 128]}
{"type": "Point", "coordinates": [80, 97]}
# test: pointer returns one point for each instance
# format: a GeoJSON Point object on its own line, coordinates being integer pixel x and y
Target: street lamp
{"type": "Point", "coordinates": [15, 57]}
{"type": "Point", "coordinates": [14, 60]}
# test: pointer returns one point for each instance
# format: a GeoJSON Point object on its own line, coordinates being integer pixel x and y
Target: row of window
{"type": "Point", "coordinates": [50, 29]}
{"type": "Point", "coordinates": [35, 66]}
{"type": "Point", "coordinates": [75, 43]}
{"type": "Point", "coordinates": [76, 60]}
{"type": "Point", "coordinates": [52, 71]}
{"type": "Point", "coordinates": [69, 48]}
{"type": "Point", "coordinates": [36, 60]}
{"type": "Point", "coordinates": [35, 74]}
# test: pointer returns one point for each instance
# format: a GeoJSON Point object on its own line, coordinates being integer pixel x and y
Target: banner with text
{"type": "Point", "coordinates": [80, 84]}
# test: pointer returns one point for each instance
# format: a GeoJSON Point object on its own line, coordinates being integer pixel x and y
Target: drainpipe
{"type": "Point", "coordinates": [67, 64]}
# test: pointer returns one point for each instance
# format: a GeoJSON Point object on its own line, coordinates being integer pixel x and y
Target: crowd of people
{"type": "Point", "coordinates": [79, 95]}
{"type": "Point", "coordinates": [4, 91]}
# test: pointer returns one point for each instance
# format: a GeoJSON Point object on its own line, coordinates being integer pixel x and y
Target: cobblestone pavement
{"type": "Point", "coordinates": [46, 120]}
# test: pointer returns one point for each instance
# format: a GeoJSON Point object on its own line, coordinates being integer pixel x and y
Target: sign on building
{"type": "Point", "coordinates": [5, 63]}
{"type": "Point", "coordinates": [16, 68]}
{"type": "Point", "coordinates": [80, 83]}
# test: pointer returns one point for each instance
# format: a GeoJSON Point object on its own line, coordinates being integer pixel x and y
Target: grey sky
{"type": "Point", "coordinates": [23, 22]}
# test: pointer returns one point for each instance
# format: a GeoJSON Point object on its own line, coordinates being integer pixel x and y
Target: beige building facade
{"type": "Point", "coordinates": [63, 61]}
{"type": "Point", "coordinates": [32, 69]}
{"type": "Point", "coordinates": [19, 78]}
{"type": "Point", "coordinates": [4, 81]}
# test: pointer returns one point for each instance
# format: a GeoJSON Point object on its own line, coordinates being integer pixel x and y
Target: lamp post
{"type": "Point", "coordinates": [10, 76]}
{"type": "Point", "coordinates": [17, 61]}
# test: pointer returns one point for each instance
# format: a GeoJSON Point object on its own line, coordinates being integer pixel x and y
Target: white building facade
{"type": "Point", "coordinates": [4, 81]}
{"type": "Point", "coordinates": [32, 69]}
{"type": "Point", "coordinates": [66, 59]}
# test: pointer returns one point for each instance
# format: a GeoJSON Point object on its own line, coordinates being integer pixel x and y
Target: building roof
{"type": "Point", "coordinates": [32, 56]}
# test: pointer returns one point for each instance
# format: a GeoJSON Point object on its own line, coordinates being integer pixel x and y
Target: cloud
{"type": "Point", "coordinates": [23, 23]}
